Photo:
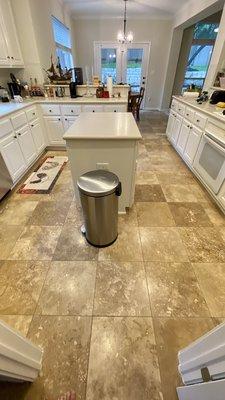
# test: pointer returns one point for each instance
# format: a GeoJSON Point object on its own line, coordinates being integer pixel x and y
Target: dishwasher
{"type": "Point", "coordinates": [6, 182]}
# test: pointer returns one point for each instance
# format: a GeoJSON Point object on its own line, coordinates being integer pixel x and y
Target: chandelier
{"type": "Point", "coordinates": [123, 36]}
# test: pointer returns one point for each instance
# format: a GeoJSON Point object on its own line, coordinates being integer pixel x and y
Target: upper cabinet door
{"type": "Point", "coordinates": [10, 36]}
{"type": "Point", "coordinates": [4, 56]}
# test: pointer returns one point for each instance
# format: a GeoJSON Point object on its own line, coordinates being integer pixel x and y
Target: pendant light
{"type": "Point", "coordinates": [123, 36]}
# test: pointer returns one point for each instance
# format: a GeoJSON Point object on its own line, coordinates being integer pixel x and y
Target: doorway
{"type": "Point", "coordinates": [125, 63]}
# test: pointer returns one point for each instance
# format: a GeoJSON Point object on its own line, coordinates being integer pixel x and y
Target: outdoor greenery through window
{"type": "Point", "coordinates": [63, 43]}
{"type": "Point", "coordinates": [200, 53]}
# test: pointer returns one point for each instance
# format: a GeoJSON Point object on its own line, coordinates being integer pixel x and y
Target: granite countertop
{"type": "Point", "coordinates": [104, 125]}
{"type": "Point", "coordinates": [210, 109]}
{"type": "Point", "coordinates": [8, 108]}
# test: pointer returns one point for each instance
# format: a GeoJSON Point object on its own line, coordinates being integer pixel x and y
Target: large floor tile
{"type": "Point", "coordinates": [127, 247]}
{"type": "Point", "coordinates": [20, 286]}
{"type": "Point", "coordinates": [19, 322]}
{"type": "Point", "coordinates": [75, 215]}
{"type": "Point", "coordinates": [65, 341]}
{"type": "Point", "coordinates": [17, 213]}
{"type": "Point", "coordinates": [216, 216]}
{"type": "Point", "coordinates": [179, 193]}
{"type": "Point", "coordinates": [121, 289]}
{"type": "Point", "coordinates": [211, 277]}
{"type": "Point", "coordinates": [128, 219]}
{"type": "Point", "coordinates": [146, 178]}
{"type": "Point", "coordinates": [154, 214]}
{"type": "Point", "coordinates": [189, 214]}
{"type": "Point", "coordinates": [203, 244]}
{"type": "Point", "coordinates": [168, 178]}
{"type": "Point", "coordinates": [49, 213]}
{"type": "Point", "coordinates": [8, 237]}
{"type": "Point", "coordinates": [36, 243]}
{"type": "Point", "coordinates": [123, 361]}
{"type": "Point", "coordinates": [72, 246]}
{"type": "Point", "coordinates": [171, 336]}
{"type": "Point", "coordinates": [68, 289]}
{"type": "Point", "coordinates": [174, 291]}
{"type": "Point", "coordinates": [162, 244]}
{"type": "Point", "coordinates": [149, 193]}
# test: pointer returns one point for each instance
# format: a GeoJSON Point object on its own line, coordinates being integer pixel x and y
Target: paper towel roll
{"type": "Point", "coordinates": [110, 85]}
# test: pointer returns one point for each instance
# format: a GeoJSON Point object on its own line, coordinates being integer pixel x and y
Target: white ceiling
{"type": "Point", "coordinates": [114, 8]}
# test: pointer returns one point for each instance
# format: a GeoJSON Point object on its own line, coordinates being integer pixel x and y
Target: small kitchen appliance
{"type": "Point", "coordinates": [217, 96]}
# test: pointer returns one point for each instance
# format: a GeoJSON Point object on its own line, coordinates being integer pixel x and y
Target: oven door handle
{"type": "Point", "coordinates": [214, 143]}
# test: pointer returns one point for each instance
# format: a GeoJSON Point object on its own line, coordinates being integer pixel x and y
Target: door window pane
{"type": "Point", "coordinates": [108, 63]}
{"type": "Point", "coordinates": [134, 68]}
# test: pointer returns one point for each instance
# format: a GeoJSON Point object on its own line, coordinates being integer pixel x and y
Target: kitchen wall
{"type": "Point", "coordinates": [158, 32]}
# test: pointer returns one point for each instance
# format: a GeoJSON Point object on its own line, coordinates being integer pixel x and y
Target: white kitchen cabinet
{"type": "Point", "coordinates": [68, 121]}
{"type": "Point", "coordinates": [183, 136]}
{"type": "Point", "coordinates": [176, 130]}
{"type": "Point", "coordinates": [115, 108]}
{"type": "Point", "coordinates": [10, 52]}
{"type": "Point", "coordinates": [170, 124]}
{"type": "Point", "coordinates": [192, 144]}
{"type": "Point", "coordinates": [13, 156]}
{"type": "Point", "coordinates": [55, 130]}
{"type": "Point", "coordinates": [27, 145]}
{"type": "Point", "coordinates": [38, 136]}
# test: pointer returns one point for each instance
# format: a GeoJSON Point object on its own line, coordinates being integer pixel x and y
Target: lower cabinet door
{"type": "Point", "coordinates": [68, 121]}
{"type": "Point", "coordinates": [55, 130]}
{"type": "Point", "coordinates": [176, 130]}
{"type": "Point", "coordinates": [183, 137]}
{"type": "Point", "coordinates": [13, 156]}
{"type": "Point", "coordinates": [192, 144]}
{"type": "Point", "coordinates": [170, 124]}
{"type": "Point", "coordinates": [38, 136]}
{"type": "Point", "coordinates": [27, 144]}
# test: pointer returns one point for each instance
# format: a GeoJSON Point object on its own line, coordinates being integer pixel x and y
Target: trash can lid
{"type": "Point", "coordinates": [98, 183]}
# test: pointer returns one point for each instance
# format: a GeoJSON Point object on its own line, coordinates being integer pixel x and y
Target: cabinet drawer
{"type": "Point", "coordinates": [19, 120]}
{"type": "Point", "coordinates": [189, 114]}
{"type": "Point", "coordinates": [181, 108]}
{"type": "Point", "coordinates": [174, 105]}
{"type": "Point", "coordinates": [51, 109]}
{"type": "Point", "coordinates": [71, 109]}
{"type": "Point", "coordinates": [5, 127]}
{"type": "Point", "coordinates": [115, 108]}
{"type": "Point", "coordinates": [31, 113]}
{"type": "Point", "coordinates": [199, 120]}
{"type": "Point", "coordinates": [94, 108]}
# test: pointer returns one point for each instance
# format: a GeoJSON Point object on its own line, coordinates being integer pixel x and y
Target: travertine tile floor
{"type": "Point", "coordinates": [111, 321]}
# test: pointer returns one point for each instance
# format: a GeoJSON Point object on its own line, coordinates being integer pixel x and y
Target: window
{"type": "Point", "coordinates": [63, 43]}
{"type": "Point", "coordinates": [200, 53]}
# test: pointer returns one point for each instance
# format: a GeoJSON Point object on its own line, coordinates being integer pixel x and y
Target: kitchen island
{"type": "Point", "coordinates": [105, 141]}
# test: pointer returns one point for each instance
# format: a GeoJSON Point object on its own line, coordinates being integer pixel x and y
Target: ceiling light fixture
{"type": "Point", "coordinates": [123, 36]}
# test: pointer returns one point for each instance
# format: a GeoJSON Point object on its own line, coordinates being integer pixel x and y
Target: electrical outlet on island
{"type": "Point", "coordinates": [102, 166]}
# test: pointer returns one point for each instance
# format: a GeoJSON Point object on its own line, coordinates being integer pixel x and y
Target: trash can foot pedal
{"type": "Point", "coordinates": [83, 230]}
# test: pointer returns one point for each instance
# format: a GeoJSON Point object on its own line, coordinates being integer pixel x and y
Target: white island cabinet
{"type": "Point", "coordinates": [105, 141]}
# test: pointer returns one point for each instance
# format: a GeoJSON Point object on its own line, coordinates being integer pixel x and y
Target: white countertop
{"type": "Point", "coordinates": [104, 125]}
{"type": "Point", "coordinates": [207, 108]}
{"type": "Point", "coordinates": [8, 108]}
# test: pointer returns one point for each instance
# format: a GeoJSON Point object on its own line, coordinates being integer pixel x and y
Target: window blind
{"type": "Point", "coordinates": [61, 33]}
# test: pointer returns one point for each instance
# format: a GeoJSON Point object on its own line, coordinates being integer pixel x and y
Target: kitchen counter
{"type": "Point", "coordinates": [96, 141]}
{"type": "Point", "coordinates": [104, 125]}
{"type": "Point", "coordinates": [209, 109]}
{"type": "Point", "coordinates": [11, 107]}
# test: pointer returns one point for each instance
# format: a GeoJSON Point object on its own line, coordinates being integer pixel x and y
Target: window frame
{"type": "Point", "coordinates": [59, 45]}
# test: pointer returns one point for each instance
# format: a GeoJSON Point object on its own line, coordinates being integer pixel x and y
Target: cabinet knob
{"type": "Point", "coordinates": [59, 119]}
{"type": "Point", "coordinates": [93, 110]}
{"type": "Point", "coordinates": [15, 137]}
{"type": "Point", "coordinates": [188, 126]}
{"type": "Point", "coordinates": [65, 119]}
{"type": "Point", "coordinates": [198, 120]}
{"type": "Point", "coordinates": [32, 125]}
{"type": "Point", "coordinates": [187, 115]}
{"type": "Point", "coordinates": [50, 110]}
{"type": "Point", "coordinates": [71, 111]}
{"type": "Point", "coordinates": [19, 134]}
{"type": "Point", "coordinates": [33, 113]}
{"type": "Point", "coordinates": [12, 58]}
{"type": "Point", "coordinates": [191, 127]}
{"type": "Point", "coordinates": [114, 110]}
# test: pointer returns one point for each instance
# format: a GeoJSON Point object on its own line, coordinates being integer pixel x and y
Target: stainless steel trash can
{"type": "Point", "coordinates": [99, 191]}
